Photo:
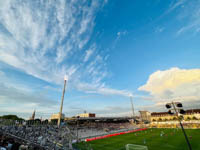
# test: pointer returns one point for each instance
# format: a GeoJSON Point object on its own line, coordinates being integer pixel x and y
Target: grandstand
{"type": "Point", "coordinates": [92, 127]}
{"type": "Point", "coordinates": [44, 135]}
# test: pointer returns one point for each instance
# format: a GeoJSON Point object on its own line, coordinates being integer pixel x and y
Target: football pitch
{"type": "Point", "coordinates": [154, 139]}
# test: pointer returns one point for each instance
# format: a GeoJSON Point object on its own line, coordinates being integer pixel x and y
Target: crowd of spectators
{"type": "Point", "coordinates": [24, 136]}
{"type": "Point", "coordinates": [40, 136]}
{"type": "Point", "coordinates": [10, 143]}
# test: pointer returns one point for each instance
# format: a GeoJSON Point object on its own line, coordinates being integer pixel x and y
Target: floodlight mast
{"type": "Point", "coordinates": [177, 114]}
{"type": "Point", "coordinates": [131, 99]}
{"type": "Point", "coordinates": [61, 106]}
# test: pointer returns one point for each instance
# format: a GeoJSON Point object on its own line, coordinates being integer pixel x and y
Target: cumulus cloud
{"type": "Point", "coordinates": [174, 84]}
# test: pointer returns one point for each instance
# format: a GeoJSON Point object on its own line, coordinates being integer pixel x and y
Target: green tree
{"type": "Point", "coordinates": [11, 117]}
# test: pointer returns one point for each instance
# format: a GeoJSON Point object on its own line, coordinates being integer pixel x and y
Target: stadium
{"type": "Point", "coordinates": [99, 75]}
{"type": "Point", "coordinates": [96, 133]}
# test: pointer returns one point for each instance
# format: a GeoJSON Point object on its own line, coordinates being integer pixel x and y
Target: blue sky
{"type": "Point", "coordinates": [109, 49]}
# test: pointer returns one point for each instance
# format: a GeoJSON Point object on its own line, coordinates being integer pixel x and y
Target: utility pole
{"type": "Point", "coordinates": [61, 106]}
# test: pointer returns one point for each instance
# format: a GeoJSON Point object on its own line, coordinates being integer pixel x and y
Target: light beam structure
{"type": "Point", "coordinates": [61, 105]}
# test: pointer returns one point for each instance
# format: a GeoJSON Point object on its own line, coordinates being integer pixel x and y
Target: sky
{"type": "Point", "coordinates": [110, 50]}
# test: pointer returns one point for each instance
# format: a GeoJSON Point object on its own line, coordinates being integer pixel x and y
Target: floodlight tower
{"type": "Point", "coordinates": [131, 99]}
{"type": "Point", "coordinates": [175, 108]}
{"type": "Point", "coordinates": [61, 105]}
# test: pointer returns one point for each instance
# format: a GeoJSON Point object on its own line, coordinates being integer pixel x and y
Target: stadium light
{"type": "Point", "coordinates": [61, 105]}
{"type": "Point", "coordinates": [179, 105]}
{"type": "Point", "coordinates": [170, 112]}
{"type": "Point", "coordinates": [176, 108]}
{"type": "Point", "coordinates": [181, 111]}
{"type": "Point", "coordinates": [168, 105]}
{"type": "Point", "coordinates": [131, 99]}
{"type": "Point", "coordinates": [66, 77]}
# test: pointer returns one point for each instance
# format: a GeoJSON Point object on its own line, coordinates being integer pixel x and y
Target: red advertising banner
{"type": "Point", "coordinates": [115, 134]}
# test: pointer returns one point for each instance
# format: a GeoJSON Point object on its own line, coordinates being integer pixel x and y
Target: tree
{"type": "Point", "coordinates": [11, 117]}
{"type": "Point", "coordinates": [54, 121]}
{"type": "Point", "coordinates": [45, 121]}
{"type": "Point", "coordinates": [37, 121]}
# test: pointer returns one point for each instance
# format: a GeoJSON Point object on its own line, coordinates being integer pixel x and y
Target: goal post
{"type": "Point", "coordinates": [135, 147]}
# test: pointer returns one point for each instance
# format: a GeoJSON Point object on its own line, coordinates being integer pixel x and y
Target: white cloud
{"type": "Point", "coordinates": [187, 13]}
{"type": "Point", "coordinates": [89, 52]}
{"type": "Point", "coordinates": [22, 99]}
{"type": "Point", "coordinates": [1, 73]}
{"type": "Point", "coordinates": [190, 16]}
{"type": "Point", "coordinates": [102, 89]}
{"type": "Point", "coordinates": [119, 34]}
{"type": "Point", "coordinates": [14, 99]}
{"type": "Point", "coordinates": [159, 29]}
{"type": "Point", "coordinates": [175, 5]}
{"type": "Point", "coordinates": [41, 38]}
{"type": "Point", "coordinates": [174, 84]}
{"type": "Point", "coordinates": [108, 91]}
{"type": "Point", "coordinates": [45, 38]}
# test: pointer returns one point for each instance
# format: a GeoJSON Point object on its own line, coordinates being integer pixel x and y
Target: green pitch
{"type": "Point", "coordinates": [155, 139]}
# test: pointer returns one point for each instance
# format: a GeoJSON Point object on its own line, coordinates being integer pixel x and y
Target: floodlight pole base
{"type": "Point", "coordinates": [185, 136]}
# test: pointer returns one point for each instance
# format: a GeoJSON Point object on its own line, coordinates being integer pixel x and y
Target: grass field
{"type": "Point", "coordinates": [172, 139]}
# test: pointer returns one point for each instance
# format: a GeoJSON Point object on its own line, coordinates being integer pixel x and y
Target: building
{"type": "Point", "coordinates": [33, 116]}
{"type": "Point", "coordinates": [161, 116]}
{"type": "Point", "coordinates": [145, 116]}
{"type": "Point", "coordinates": [191, 114]}
{"type": "Point", "coordinates": [86, 115]}
{"type": "Point", "coordinates": [56, 116]}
